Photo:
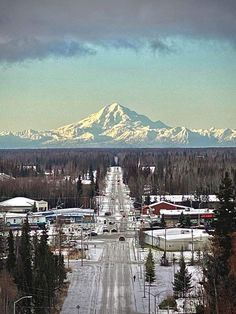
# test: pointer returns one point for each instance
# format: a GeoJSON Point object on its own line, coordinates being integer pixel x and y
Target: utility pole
{"type": "Point", "coordinates": [144, 285]}
{"type": "Point", "coordinates": [216, 296]}
{"type": "Point", "coordinates": [82, 251]}
{"type": "Point", "coordinates": [192, 260]}
{"type": "Point", "coordinates": [152, 236]}
{"type": "Point", "coordinates": [165, 262]}
{"type": "Point", "coordinates": [149, 295]}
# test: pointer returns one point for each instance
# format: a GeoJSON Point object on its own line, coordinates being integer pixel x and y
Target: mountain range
{"type": "Point", "coordinates": [117, 126]}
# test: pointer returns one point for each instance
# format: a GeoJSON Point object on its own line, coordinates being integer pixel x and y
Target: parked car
{"type": "Point", "coordinates": [113, 230]}
{"type": "Point", "coordinates": [107, 213]}
{"type": "Point", "coordinates": [105, 230]}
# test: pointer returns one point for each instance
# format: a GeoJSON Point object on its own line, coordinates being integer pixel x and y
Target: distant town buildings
{"type": "Point", "coordinates": [23, 205]}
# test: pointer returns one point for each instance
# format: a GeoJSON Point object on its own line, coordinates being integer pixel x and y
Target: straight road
{"type": "Point", "coordinates": [117, 295]}
{"type": "Point", "coordinates": [117, 286]}
{"type": "Point", "coordinates": [106, 286]}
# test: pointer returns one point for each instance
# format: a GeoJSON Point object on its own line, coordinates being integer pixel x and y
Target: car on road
{"type": "Point", "coordinates": [107, 213]}
{"type": "Point", "coordinates": [92, 234]}
{"type": "Point", "coordinates": [113, 230]}
{"type": "Point", "coordinates": [121, 238]}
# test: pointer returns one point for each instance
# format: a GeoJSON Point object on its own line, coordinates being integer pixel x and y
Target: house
{"type": "Point", "coordinates": [155, 208]}
{"type": "Point", "coordinates": [23, 205]}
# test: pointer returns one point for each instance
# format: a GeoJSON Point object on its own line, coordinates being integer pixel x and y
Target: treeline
{"type": "Point", "coordinates": [30, 269]}
{"type": "Point", "coordinates": [177, 171]}
{"type": "Point", "coordinates": [54, 175]}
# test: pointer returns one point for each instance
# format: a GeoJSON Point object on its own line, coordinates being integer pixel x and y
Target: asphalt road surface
{"type": "Point", "coordinates": [107, 286]}
{"type": "Point", "coordinates": [116, 288]}
{"type": "Point", "coordinates": [117, 284]}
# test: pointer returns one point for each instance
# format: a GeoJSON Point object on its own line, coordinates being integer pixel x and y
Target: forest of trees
{"type": "Point", "coordinates": [54, 175]}
{"type": "Point", "coordinates": [177, 171]}
{"type": "Point", "coordinates": [30, 269]}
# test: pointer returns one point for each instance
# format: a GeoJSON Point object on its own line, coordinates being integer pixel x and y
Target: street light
{"type": "Point", "coordinates": [78, 307]}
{"type": "Point", "coordinates": [25, 297]}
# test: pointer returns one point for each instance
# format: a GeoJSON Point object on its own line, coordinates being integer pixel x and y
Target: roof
{"type": "Point", "coordinates": [192, 211]}
{"type": "Point", "coordinates": [69, 211]}
{"type": "Point", "coordinates": [181, 198]}
{"type": "Point", "coordinates": [19, 215]}
{"type": "Point", "coordinates": [18, 202]}
{"type": "Point", "coordinates": [164, 202]}
{"type": "Point", "coordinates": [178, 233]}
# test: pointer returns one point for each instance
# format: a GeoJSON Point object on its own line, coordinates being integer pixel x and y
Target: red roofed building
{"type": "Point", "coordinates": [156, 207]}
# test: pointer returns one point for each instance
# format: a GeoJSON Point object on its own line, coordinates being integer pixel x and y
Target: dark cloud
{"type": "Point", "coordinates": [47, 25]}
{"type": "Point", "coordinates": [158, 45]}
{"type": "Point", "coordinates": [21, 49]}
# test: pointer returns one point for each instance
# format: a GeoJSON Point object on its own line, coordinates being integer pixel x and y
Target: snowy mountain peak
{"type": "Point", "coordinates": [116, 125]}
{"type": "Point", "coordinates": [114, 107]}
{"type": "Point", "coordinates": [112, 119]}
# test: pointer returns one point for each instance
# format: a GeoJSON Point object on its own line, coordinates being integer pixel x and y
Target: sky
{"type": "Point", "coordinates": [174, 61]}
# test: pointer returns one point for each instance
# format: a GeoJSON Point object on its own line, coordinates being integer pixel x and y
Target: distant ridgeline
{"type": "Point", "coordinates": [117, 126]}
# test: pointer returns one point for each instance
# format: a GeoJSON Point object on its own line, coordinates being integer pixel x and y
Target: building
{"type": "Point", "coordinates": [176, 239]}
{"type": "Point", "coordinates": [192, 200]}
{"type": "Point", "coordinates": [71, 215]}
{"type": "Point", "coordinates": [23, 205]}
{"type": "Point", "coordinates": [155, 208]}
{"type": "Point", "coordinates": [197, 216]}
{"type": "Point", "coordinates": [16, 220]}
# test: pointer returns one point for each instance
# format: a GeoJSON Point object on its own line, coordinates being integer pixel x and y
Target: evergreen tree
{"type": "Point", "coordinates": [147, 200]}
{"type": "Point", "coordinates": [150, 268]}
{"type": "Point", "coordinates": [49, 273]}
{"type": "Point", "coordinates": [182, 279]}
{"type": "Point", "coordinates": [226, 214]}
{"type": "Point", "coordinates": [11, 257]}
{"type": "Point", "coordinates": [61, 270]}
{"type": "Point", "coordinates": [187, 221]}
{"type": "Point", "coordinates": [163, 221]}
{"type": "Point", "coordinates": [24, 264]}
{"type": "Point", "coordinates": [79, 186]}
{"type": "Point", "coordinates": [40, 274]}
{"type": "Point", "coordinates": [225, 225]}
{"type": "Point", "coordinates": [220, 285]}
{"type": "Point", "coordinates": [181, 219]}
{"type": "Point", "coordinates": [2, 244]}
{"type": "Point", "coordinates": [34, 208]}
{"type": "Point", "coordinates": [91, 175]}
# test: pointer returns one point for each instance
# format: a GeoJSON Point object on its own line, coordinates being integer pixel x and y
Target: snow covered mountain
{"type": "Point", "coordinates": [117, 126]}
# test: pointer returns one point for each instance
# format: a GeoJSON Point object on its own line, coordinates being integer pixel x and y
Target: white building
{"type": "Point", "coordinates": [175, 239]}
{"type": "Point", "coordinates": [16, 220]}
{"type": "Point", "coordinates": [212, 198]}
{"type": "Point", "coordinates": [23, 205]}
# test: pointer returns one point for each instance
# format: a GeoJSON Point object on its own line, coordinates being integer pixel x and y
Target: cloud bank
{"type": "Point", "coordinates": [31, 29]}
